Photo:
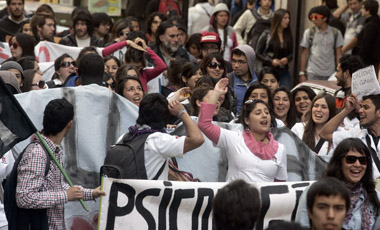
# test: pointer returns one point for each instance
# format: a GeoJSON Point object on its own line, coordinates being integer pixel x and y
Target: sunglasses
{"type": "Point", "coordinates": [353, 159]}
{"type": "Point", "coordinates": [213, 65]}
{"type": "Point", "coordinates": [315, 17]}
{"type": "Point", "coordinates": [14, 45]}
{"type": "Point", "coordinates": [40, 84]}
{"type": "Point", "coordinates": [67, 64]}
{"type": "Point", "coordinates": [123, 34]}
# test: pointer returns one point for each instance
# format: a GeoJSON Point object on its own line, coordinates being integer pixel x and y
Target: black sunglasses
{"type": "Point", "coordinates": [40, 84]}
{"type": "Point", "coordinates": [353, 159]}
{"type": "Point", "coordinates": [213, 65]}
{"type": "Point", "coordinates": [67, 64]}
{"type": "Point", "coordinates": [14, 45]}
{"type": "Point", "coordinates": [123, 34]}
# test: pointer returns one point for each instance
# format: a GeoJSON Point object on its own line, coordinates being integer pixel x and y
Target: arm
{"type": "Point", "coordinates": [159, 64]}
{"type": "Point", "coordinates": [340, 11]}
{"type": "Point", "coordinates": [350, 45]}
{"type": "Point", "coordinates": [112, 48]}
{"type": "Point", "coordinates": [338, 54]}
{"type": "Point", "coordinates": [304, 55]}
{"type": "Point", "coordinates": [194, 137]}
{"type": "Point", "coordinates": [239, 27]}
{"type": "Point", "coordinates": [330, 127]}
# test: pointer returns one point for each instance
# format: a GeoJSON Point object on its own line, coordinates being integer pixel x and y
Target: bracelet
{"type": "Point", "coordinates": [181, 112]}
{"type": "Point", "coordinates": [301, 73]}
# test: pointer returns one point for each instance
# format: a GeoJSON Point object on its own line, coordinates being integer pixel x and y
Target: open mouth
{"type": "Point", "coordinates": [304, 107]}
{"type": "Point", "coordinates": [136, 100]}
{"type": "Point", "coordinates": [264, 123]}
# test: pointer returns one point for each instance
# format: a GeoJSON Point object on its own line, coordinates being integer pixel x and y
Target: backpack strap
{"type": "Point", "coordinates": [159, 171]}
{"type": "Point", "coordinates": [311, 37]}
{"type": "Point", "coordinates": [373, 153]}
{"type": "Point", "coordinates": [255, 14]}
{"type": "Point", "coordinates": [319, 145]}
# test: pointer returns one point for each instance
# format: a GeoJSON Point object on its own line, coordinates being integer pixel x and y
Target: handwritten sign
{"type": "Point", "coordinates": [364, 82]}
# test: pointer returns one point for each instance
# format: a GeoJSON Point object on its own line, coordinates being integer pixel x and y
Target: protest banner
{"type": "Point", "coordinates": [364, 82]}
{"type": "Point", "coordinates": [5, 51]}
{"type": "Point", "coordinates": [148, 204]}
{"type": "Point", "coordinates": [110, 7]}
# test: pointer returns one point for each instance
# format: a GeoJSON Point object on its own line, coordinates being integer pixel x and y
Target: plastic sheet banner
{"type": "Point", "coordinates": [144, 204]}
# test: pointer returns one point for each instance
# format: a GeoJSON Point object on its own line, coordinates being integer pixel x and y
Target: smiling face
{"type": "Point", "coordinates": [281, 105]}
{"type": "Point", "coordinates": [214, 69]}
{"type": "Point", "coordinates": [133, 91]}
{"type": "Point", "coordinates": [259, 119]}
{"type": "Point", "coordinates": [193, 79]}
{"type": "Point", "coordinates": [303, 102]}
{"type": "Point", "coordinates": [320, 112]}
{"type": "Point", "coordinates": [259, 94]}
{"type": "Point", "coordinates": [353, 173]}
{"type": "Point", "coordinates": [328, 213]}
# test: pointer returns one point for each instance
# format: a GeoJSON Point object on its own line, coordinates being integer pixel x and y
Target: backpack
{"type": "Point", "coordinates": [21, 218]}
{"type": "Point", "coordinates": [125, 160]}
{"type": "Point", "coordinates": [169, 7]}
{"type": "Point", "coordinates": [261, 26]}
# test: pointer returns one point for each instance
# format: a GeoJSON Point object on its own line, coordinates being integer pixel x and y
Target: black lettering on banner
{"type": "Point", "coordinates": [163, 205]}
{"type": "Point", "coordinates": [265, 201]}
{"type": "Point", "coordinates": [113, 209]}
{"type": "Point", "coordinates": [202, 193]}
{"type": "Point", "coordinates": [179, 194]}
{"type": "Point", "coordinates": [142, 210]}
{"type": "Point", "coordinates": [298, 195]}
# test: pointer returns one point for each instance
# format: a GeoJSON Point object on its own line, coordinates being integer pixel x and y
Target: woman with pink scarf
{"type": "Point", "coordinates": [253, 155]}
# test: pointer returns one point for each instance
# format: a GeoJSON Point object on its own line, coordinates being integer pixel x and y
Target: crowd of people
{"type": "Point", "coordinates": [228, 63]}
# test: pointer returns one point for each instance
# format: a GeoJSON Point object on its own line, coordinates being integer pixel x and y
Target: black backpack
{"type": "Point", "coordinates": [261, 25]}
{"type": "Point", "coordinates": [21, 218]}
{"type": "Point", "coordinates": [125, 160]}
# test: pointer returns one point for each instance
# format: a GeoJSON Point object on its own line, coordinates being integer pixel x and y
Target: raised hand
{"type": "Point", "coordinates": [174, 107]}
{"type": "Point", "coordinates": [221, 87]}
{"type": "Point", "coordinates": [134, 45]}
{"type": "Point", "coordinates": [181, 94]}
{"type": "Point", "coordinates": [142, 41]}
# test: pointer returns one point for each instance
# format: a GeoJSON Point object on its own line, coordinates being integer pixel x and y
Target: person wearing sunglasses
{"type": "Point", "coordinates": [120, 31]}
{"type": "Point", "coordinates": [253, 154]}
{"type": "Point", "coordinates": [21, 45]}
{"type": "Point", "coordinates": [33, 81]}
{"type": "Point", "coordinates": [321, 47]}
{"type": "Point", "coordinates": [64, 66]}
{"type": "Point", "coordinates": [213, 65]}
{"type": "Point", "coordinates": [352, 164]}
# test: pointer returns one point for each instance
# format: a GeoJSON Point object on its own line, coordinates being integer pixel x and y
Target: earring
{"type": "Point", "coordinates": [247, 130]}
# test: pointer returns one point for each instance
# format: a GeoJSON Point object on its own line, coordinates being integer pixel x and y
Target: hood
{"type": "Point", "coordinates": [251, 57]}
{"type": "Point", "coordinates": [220, 7]}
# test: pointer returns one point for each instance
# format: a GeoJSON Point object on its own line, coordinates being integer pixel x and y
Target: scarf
{"type": "Point", "coordinates": [355, 191]}
{"type": "Point", "coordinates": [260, 149]}
{"type": "Point", "coordinates": [136, 130]}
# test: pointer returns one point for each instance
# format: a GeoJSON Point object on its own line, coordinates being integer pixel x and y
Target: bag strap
{"type": "Point", "coordinates": [319, 145]}
{"type": "Point", "coordinates": [159, 171]}
{"type": "Point", "coordinates": [373, 153]}
{"type": "Point", "coordinates": [206, 11]}
{"type": "Point", "coordinates": [255, 14]}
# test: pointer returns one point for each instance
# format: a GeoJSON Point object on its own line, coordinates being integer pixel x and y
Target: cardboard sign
{"type": "Point", "coordinates": [364, 82]}
{"type": "Point", "coordinates": [148, 204]}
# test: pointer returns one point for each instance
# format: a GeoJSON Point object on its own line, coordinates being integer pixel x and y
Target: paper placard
{"type": "Point", "coordinates": [364, 82]}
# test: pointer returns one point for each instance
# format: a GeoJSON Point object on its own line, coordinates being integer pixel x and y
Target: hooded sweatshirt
{"type": "Point", "coordinates": [236, 83]}
{"type": "Point", "coordinates": [231, 42]}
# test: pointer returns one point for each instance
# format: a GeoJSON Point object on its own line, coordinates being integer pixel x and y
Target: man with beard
{"type": "Point", "coordinates": [11, 24]}
{"type": "Point", "coordinates": [82, 36]}
{"type": "Point", "coordinates": [166, 44]}
{"type": "Point", "coordinates": [368, 131]}
{"type": "Point", "coordinates": [348, 64]}
{"type": "Point", "coordinates": [43, 27]}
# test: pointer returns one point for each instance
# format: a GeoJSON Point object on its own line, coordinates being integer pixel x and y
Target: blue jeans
{"type": "Point", "coordinates": [285, 79]}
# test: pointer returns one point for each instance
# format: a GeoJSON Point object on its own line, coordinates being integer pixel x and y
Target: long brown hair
{"type": "Point", "coordinates": [287, 32]}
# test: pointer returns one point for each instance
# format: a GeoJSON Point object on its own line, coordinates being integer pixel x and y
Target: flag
{"type": "Point", "coordinates": [15, 125]}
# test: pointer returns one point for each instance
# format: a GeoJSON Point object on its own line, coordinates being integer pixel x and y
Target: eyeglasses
{"type": "Point", "coordinates": [316, 16]}
{"type": "Point", "coordinates": [67, 64]}
{"type": "Point", "coordinates": [40, 84]}
{"type": "Point", "coordinates": [214, 65]}
{"type": "Point", "coordinates": [240, 62]}
{"type": "Point", "coordinates": [14, 45]}
{"type": "Point", "coordinates": [353, 159]}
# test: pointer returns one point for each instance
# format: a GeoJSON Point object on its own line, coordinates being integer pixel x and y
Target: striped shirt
{"type": "Point", "coordinates": [36, 191]}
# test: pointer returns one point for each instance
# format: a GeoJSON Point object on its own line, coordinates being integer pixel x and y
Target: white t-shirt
{"type": "Point", "coordinates": [83, 42]}
{"type": "Point", "coordinates": [299, 129]}
{"type": "Point", "coordinates": [243, 164]}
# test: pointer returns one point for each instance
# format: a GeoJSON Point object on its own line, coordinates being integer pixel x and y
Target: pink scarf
{"type": "Point", "coordinates": [260, 149]}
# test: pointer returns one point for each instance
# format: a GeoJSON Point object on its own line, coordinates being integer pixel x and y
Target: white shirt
{"type": "Point", "coordinates": [6, 165]}
{"type": "Point", "coordinates": [83, 42]}
{"type": "Point", "coordinates": [243, 164]}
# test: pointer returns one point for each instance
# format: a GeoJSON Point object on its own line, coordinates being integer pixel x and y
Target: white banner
{"type": "Point", "coordinates": [144, 204]}
{"type": "Point", "coordinates": [364, 82]}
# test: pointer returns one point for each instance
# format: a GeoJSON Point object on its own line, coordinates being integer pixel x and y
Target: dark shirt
{"type": "Point", "coordinates": [7, 27]}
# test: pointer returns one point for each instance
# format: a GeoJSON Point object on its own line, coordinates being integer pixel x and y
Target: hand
{"type": "Point", "coordinates": [175, 107]}
{"type": "Point", "coordinates": [351, 103]}
{"type": "Point", "coordinates": [283, 61]}
{"type": "Point", "coordinates": [135, 46]}
{"type": "Point", "coordinates": [142, 41]}
{"type": "Point", "coordinates": [98, 192]}
{"type": "Point", "coordinates": [74, 193]}
{"type": "Point", "coordinates": [302, 78]}
{"type": "Point", "coordinates": [181, 94]}
{"type": "Point", "coordinates": [276, 62]}
{"type": "Point", "coordinates": [221, 87]}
